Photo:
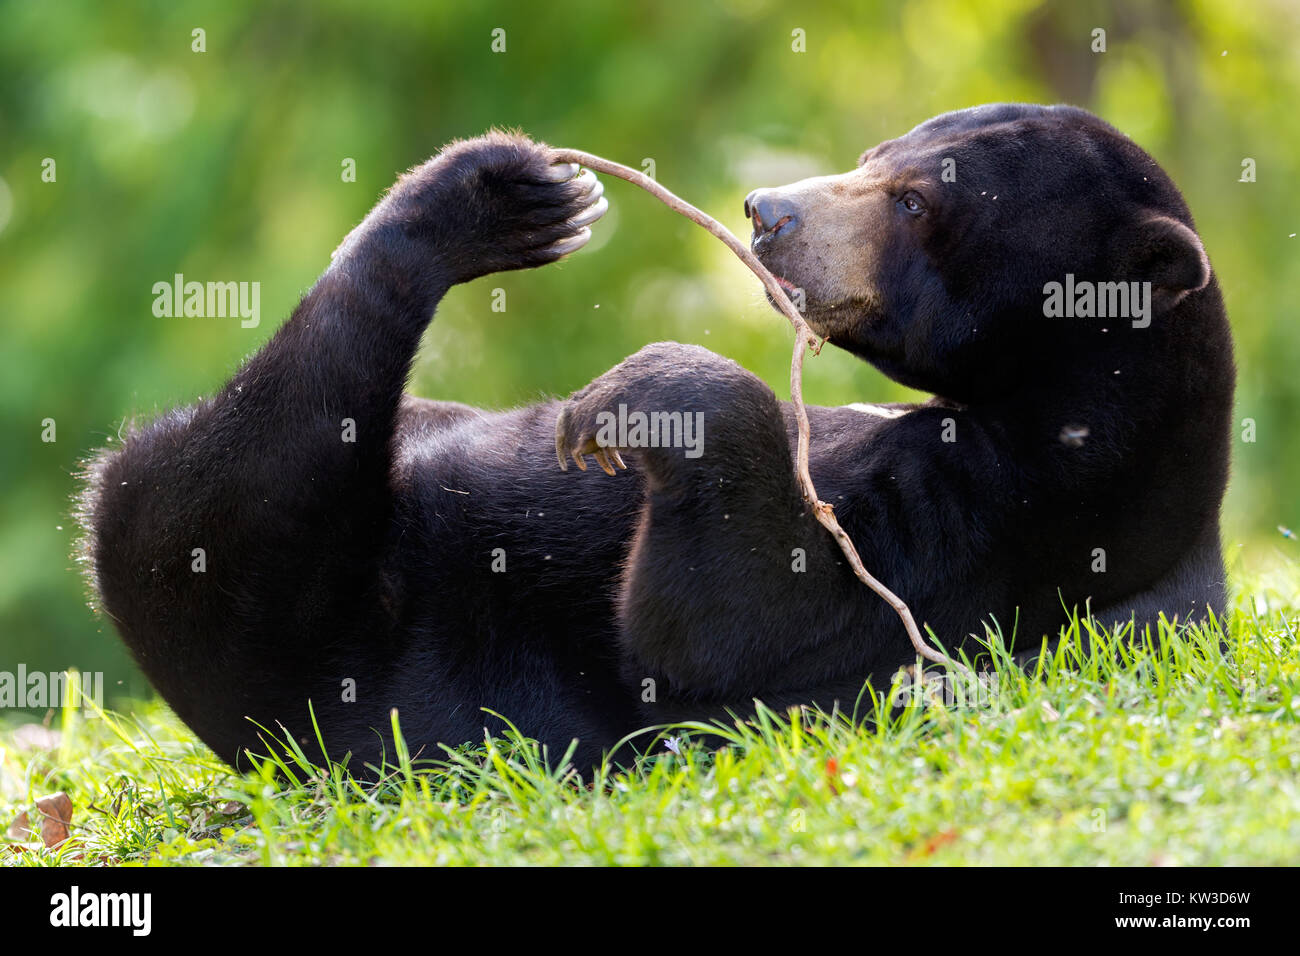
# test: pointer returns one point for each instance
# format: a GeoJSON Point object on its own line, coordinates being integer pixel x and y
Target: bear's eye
{"type": "Point", "coordinates": [913, 203]}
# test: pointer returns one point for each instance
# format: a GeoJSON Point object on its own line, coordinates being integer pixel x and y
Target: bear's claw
{"type": "Point", "coordinates": [586, 193]}
{"type": "Point", "coordinates": [562, 247]}
{"type": "Point", "coordinates": [560, 172]}
{"type": "Point", "coordinates": [577, 446]}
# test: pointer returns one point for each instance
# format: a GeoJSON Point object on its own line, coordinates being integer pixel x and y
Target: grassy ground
{"type": "Point", "coordinates": [1170, 753]}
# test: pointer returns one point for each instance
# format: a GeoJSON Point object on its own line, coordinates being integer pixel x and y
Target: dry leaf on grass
{"type": "Point", "coordinates": [56, 813]}
{"type": "Point", "coordinates": [935, 843]}
{"type": "Point", "coordinates": [20, 829]}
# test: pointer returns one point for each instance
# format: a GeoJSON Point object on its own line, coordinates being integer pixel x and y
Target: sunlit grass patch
{"type": "Point", "coordinates": [1108, 750]}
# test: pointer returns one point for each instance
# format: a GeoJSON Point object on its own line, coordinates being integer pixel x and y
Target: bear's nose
{"type": "Point", "coordinates": [771, 212]}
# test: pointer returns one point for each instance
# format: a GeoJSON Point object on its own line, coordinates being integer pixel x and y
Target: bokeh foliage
{"type": "Point", "coordinates": [225, 165]}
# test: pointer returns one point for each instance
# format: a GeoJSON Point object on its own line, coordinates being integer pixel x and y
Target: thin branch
{"type": "Point", "coordinates": [804, 338]}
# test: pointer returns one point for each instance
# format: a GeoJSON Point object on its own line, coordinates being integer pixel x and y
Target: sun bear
{"type": "Point", "coordinates": [444, 563]}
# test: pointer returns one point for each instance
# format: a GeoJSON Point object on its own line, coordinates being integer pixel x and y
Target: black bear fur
{"type": "Point", "coordinates": [372, 560]}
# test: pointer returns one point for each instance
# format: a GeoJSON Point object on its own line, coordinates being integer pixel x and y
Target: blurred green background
{"type": "Point", "coordinates": [226, 165]}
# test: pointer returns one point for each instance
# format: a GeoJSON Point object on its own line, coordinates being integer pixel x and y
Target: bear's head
{"type": "Point", "coordinates": [935, 258]}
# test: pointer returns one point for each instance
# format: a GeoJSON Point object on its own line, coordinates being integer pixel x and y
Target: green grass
{"type": "Point", "coordinates": [1165, 752]}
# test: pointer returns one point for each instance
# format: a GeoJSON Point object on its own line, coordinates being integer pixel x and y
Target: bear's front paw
{"type": "Point", "coordinates": [500, 202]}
{"type": "Point", "coordinates": [582, 429]}
{"type": "Point", "coordinates": [652, 404]}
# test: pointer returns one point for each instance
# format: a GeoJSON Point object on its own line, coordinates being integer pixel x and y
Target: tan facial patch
{"type": "Point", "coordinates": [834, 253]}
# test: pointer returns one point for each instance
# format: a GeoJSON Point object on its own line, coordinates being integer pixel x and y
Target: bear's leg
{"type": "Point", "coordinates": [237, 544]}
{"type": "Point", "coordinates": [728, 576]}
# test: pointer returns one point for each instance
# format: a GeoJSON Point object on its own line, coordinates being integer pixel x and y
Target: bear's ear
{"type": "Point", "coordinates": [1170, 256]}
